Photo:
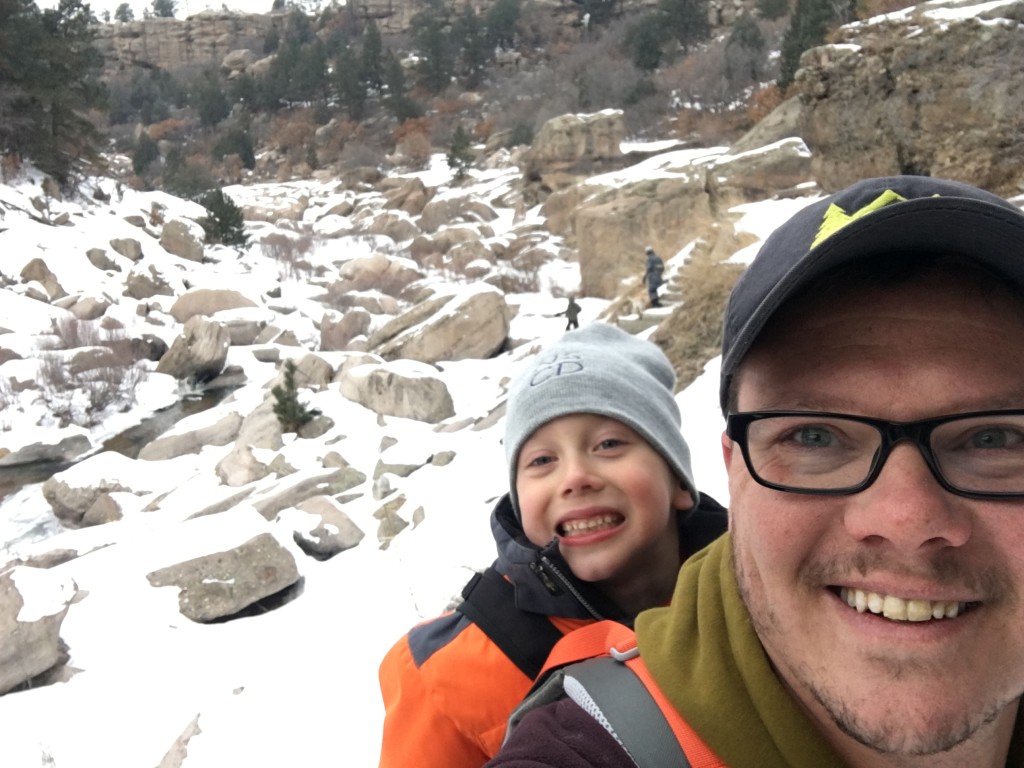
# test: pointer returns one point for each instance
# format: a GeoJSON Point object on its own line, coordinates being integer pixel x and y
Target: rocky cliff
{"type": "Point", "coordinates": [207, 37]}
{"type": "Point", "coordinates": [935, 89]}
{"type": "Point", "coordinates": [170, 44]}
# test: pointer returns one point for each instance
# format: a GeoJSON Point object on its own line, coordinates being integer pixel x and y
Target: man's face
{"type": "Point", "coordinates": [911, 688]}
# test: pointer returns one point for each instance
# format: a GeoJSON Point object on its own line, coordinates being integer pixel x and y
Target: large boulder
{"type": "Point", "coordinates": [37, 270]}
{"type": "Point", "coordinates": [221, 584]}
{"type": "Point", "coordinates": [379, 272]}
{"type": "Point", "coordinates": [405, 388]}
{"type": "Point", "coordinates": [569, 148]}
{"type": "Point", "coordinates": [199, 353]}
{"type": "Point", "coordinates": [338, 331]}
{"type": "Point", "coordinates": [60, 448]}
{"type": "Point", "coordinates": [327, 530]}
{"type": "Point", "coordinates": [613, 227]}
{"type": "Point", "coordinates": [444, 211]}
{"type": "Point", "coordinates": [33, 603]}
{"type": "Point", "coordinates": [752, 176]}
{"type": "Point", "coordinates": [207, 302]}
{"type": "Point", "coordinates": [471, 323]}
{"type": "Point", "coordinates": [183, 239]}
{"type": "Point", "coordinates": [171, 446]}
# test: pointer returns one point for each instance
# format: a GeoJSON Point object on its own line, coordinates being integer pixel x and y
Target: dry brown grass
{"type": "Point", "coordinates": [290, 252]}
{"type": "Point", "coordinates": [693, 334]}
{"type": "Point", "coordinates": [729, 124]}
{"type": "Point", "coordinates": [170, 129]}
{"type": "Point", "coordinates": [762, 102]}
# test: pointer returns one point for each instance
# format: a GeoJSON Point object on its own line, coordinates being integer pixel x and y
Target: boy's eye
{"type": "Point", "coordinates": [611, 442]}
{"type": "Point", "coordinates": [540, 461]}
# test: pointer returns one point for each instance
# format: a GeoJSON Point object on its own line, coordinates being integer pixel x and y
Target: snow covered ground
{"type": "Point", "coordinates": [296, 686]}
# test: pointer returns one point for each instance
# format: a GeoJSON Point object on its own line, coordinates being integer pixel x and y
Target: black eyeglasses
{"type": "Point", "coordinates": [978, 455]}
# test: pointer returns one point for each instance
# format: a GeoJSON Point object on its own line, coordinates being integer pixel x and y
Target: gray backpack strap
{"type": "Point", "coordinates": [610, 693]}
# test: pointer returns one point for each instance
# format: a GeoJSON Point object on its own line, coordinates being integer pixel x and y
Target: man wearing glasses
{"type": "Point", "coordinates": [866, 608]}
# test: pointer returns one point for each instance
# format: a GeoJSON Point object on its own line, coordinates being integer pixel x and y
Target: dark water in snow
{"type": "Point", "coordinates": [129, 442]}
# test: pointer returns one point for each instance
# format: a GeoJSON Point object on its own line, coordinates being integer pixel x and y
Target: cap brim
{"type": "Point", "coordinates": [987, 233]}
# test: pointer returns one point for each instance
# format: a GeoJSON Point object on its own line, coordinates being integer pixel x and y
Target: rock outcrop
{"type": "Point", "coordinates": [920, 91]}
{"type": "Point", "coordinates": [200, 40]}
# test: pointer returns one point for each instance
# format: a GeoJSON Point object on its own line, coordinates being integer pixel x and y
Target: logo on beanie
{"type": "Point", "coordinates": [556, 364]}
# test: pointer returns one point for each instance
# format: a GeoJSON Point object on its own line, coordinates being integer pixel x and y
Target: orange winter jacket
{"type": "Point", "coordinates": [448, 688]}
{"type": "Point", "coordinates": [450, 710]}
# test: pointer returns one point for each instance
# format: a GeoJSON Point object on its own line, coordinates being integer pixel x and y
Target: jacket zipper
{"type": "Point", "coordinates": [568, 585]}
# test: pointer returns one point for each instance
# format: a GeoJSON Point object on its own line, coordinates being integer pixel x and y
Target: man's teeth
{"type": "Point", "coordinates": [589, 524]}
{"type": "Point", "coordinates": [898, 609]}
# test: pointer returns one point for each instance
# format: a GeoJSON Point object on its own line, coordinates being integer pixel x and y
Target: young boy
{"type": "Point", "coordinates": [602, 511]}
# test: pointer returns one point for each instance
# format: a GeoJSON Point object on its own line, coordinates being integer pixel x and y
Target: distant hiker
{"type": "Point", "coordinates": [572, 314]}
{"type": "Point", "coordinates": [602, 510]}
{"type": "Point", "coordinates": [653, 272]}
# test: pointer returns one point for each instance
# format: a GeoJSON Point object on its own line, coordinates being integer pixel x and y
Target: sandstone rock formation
{"type": "Point", "coordinates": [30, 642]}
{"type": "Point", "coordinates": [221, 584]}
{"type": "Point", "coordinates": [918, 91]}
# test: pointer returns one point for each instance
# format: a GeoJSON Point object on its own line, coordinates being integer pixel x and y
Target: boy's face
{"type": "Point", "coordinates": [607, 495]}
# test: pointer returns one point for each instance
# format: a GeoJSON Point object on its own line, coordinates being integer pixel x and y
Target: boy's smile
{"type": "Point", "coordinates": [610, 498]}
{"type": "Point", "coordinates": [587, 523]}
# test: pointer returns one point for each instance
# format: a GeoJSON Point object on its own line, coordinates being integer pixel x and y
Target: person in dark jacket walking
{"type": "Point", "coordinates": [571, 314]}
{"type": "Point", "coordinates": [601, 511]}
{"type": "Point", "coordinates": [654, 268]}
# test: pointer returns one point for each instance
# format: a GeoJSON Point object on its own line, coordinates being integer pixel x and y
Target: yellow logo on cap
{"type": "Point", "coordinates": [836, 218]}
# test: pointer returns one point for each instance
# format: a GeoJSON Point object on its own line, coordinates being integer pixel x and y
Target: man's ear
{"type": "Point", "coordinates": [727, 446]}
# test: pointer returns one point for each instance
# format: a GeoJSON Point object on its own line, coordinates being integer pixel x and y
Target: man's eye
{"type": "Point", "coordinates": [812, 437]}
{"type": "Point", "coordinates": [996, 437]}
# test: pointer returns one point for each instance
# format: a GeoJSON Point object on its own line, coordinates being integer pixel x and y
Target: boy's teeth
{"type": "Point", "coordinates": [899, 609]}
{"type": "Point", "coordinates": [589, 524]}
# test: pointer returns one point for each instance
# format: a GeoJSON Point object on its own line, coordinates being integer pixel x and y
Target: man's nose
{"type": "Point", "coordinates": [907, 507]}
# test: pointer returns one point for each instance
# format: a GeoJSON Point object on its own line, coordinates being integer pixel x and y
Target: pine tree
{"type": "Point", "coordinates": [644, 40]}
{"type": "Point", "coordinates": [808, 25]}
{"type": "Point", "coordinates": [398, 101]}
{"type": "Point", "coordinates": [209, 100]}
{"type": "Point", "coordinates": [501, 21]}
{"type": "Point", "coordinates": [686, 20]}
{"type": "Point", "coordinates": [145, 153]}
{"type": "Point", "coordinates": [124, 13]}
{"type": "Point", "coordinates": [225, 223]}
{"type": "Point", "coordinates": [769, 10]}
{"type": "Point", "coordinates": [474, 52]}
{"type": "Point", "coordinates": [291, 413]}
{"type": "Point", "coordinates": [744, 52]}
{"type": "Point", "coordinates": [309, 77]}
{"type": "Point", "coordinates": [349, 85]}
{"type": "Point", "coordinates": [460, 154]}
{"type": "Point", "coordinates": [434, 41]}
{"type": "Point", "coordinates": [601, 11]}
{"type": "Point", "coordinates": [164, 9]}
{"type": "Point", "coordinates": [371, 58]}
{"type": "Point", "coordinates": [236, 141]}
{"type": "Point", "coordinates": [49, 79]}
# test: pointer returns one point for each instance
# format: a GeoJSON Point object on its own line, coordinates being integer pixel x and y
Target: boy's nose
{"type": "Point", "coordinates": [579, 475]}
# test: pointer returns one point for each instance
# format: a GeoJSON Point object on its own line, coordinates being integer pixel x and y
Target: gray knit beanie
{"type": "Point", "coordinates": [603, 370]}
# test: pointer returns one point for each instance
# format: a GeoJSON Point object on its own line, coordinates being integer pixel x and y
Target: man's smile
{"type": "Point", "coordinates": [899, 608]}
